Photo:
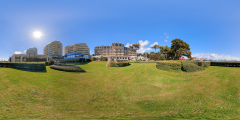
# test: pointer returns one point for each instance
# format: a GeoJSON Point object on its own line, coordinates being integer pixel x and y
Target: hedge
{"type": "Point", "coordinates": [143, 62]}
{"type": "Point", "coordinates": [184, 65]}
{"type": "Point", "coordinates": [28, 66]}
{"type": "Point", "coordinates": [119, 64]}
{"type": "Point", "coordinates": [194, 62]}
{"type": "Point", "coordinates": [203, 64]}
{"type": "Point", "coordinates": [68, 68]}
{"type": "Point", "coordinates": [225, 63]}
{"type": "Point", "coordinates": [169, 65]}
{"type": "Point", "coordinates": [74, 60]}
{"type": "Point", "coordinates": [190, 67]}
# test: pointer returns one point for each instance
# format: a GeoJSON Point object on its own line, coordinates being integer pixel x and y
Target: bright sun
{"type": "Point", "coordinates": [37, 34]}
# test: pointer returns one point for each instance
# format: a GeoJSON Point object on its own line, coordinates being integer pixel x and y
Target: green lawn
{"type": "Point", "coordinates": [136, 91]}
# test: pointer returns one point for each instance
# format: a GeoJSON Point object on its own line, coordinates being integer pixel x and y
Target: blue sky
{"type": "Point", "coordinates": [210, 27]}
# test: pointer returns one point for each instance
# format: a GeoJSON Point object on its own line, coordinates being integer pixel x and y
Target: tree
{"type": "Point", "coordinates": [166, 51]}
{"type": "Point", "coordinates": [152, 53]}
{"type": "Point", "coordinates": [155, 47]}
{"type": "Point", "coordinates": [154, 57]}
{"type": "Point", "coordinates": [139, 54]}
{"type": "Point", "coordinates": [136, 47]}
{"type": "Point", "coordinates": [180, 48]}
{"type": "Point", "coordinates": [51, 62]}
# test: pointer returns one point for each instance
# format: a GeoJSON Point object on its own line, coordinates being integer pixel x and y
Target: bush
{"type": "Point", "coordinates": [28, 66]}
{"type": "Point", "coordinates": [203, 64]}
{"type": "Point", "coordinates": [46, 63]}
{"type": "Point", "coordinates": [103, 59]}
{"type": "Point", "coordinates": [190, 67]}
{"type": "Point", "coordinates": [194, 62]}
{"type": "Point", "coordinates": [69, 68]}
{"type": "Point", "coordinates": [119, 64]}
{"type": "Point", "coordinates": [169, 65]}
{"type": "Point", "coordinates": [225, 63]}
{"type": "Point", "coordinates": [94, 59]}
{"type": "Point", "coordinates": [51, 62]}
{"type": "Point", "coordinates": [142, 61]}
{"type": "Point", "coordinates": [89, 59]}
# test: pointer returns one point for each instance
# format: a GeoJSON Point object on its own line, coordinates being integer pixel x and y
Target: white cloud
{"type": "Point", "coordinates": [165, 40]}
{"type": "Point", "coordinates": [155, 43]}
{"type": "Point", "coordinates": [18, 52]}
{"type": "Point", "coordinates": [167, 37]}
{"type": "Point", "coordinates": [143, 44]}
{"type": "Point", "coordinates": [215, 56]}
{"type": "Point", "coordinates": [143, 49]}
{"type": "Point", "coordinates": [22, 47]}
{"type": "Point", "coordinates": [128, 44]}
{"type": "Point", "coordinates": [25, 50]}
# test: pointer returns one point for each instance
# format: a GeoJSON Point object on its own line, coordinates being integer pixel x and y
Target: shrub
{"type": "Point", "coordinates": [194, 62]}
{"type": "Point", "coordinates": [69, 68]}
{"type": "Point", "coordinates": [142, 61]}
{"type": "Point", "coordinates": [190, 67]}
{"type": "Point", "coordinates": [28, 66]}
{"type": "Point", "coordinates": [203, 64]}
{"type": "Point", "coordinates": [169, 65]}
{"type": "Point", "coordinates": [46, 63]}
{"type": "Point", "coordinates": [51, 62]}
{"type": "Point", "coordinates": [103, 58]}
{"type": "Point", "coordinates": [89, 59]}
{"type": "Point", "coordinates": [94, 59]}
{"type": "Point", "coordinates": [119, 64]}
{"type": "Point", "coordinates": [225, 63]}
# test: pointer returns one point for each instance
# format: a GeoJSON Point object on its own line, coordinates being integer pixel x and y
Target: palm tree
{"type": "Point", "coordinates": [136, 47]}
{"type": "Point", "coordinates": [131, 47]}
{"type": "Point", "coordinates": [155, 47]}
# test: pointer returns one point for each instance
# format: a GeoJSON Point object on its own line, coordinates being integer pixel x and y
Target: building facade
{"type": "Point", "coordinates": [27, 58]}
{"type": "Point", "coordinates": [53, 49]}
{"type": "Point", "coordinates": [116, 51]}
{"type": "Point", "coordinates": [79, 47]}
{"type": "Point", "coordinates": [32, 51]}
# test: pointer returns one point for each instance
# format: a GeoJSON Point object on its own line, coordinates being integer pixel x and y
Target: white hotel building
{"type": "Point", "coordinates": [116, 51]}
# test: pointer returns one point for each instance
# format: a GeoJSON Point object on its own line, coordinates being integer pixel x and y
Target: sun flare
{"type": "Point", "coordinates": [37, 34]}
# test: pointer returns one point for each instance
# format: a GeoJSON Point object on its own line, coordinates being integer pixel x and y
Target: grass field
{"type": "Point", "coordinates": [135, 91]}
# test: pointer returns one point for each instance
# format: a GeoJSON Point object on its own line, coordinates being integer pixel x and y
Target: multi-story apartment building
{"type": "Point", "coordinates": [53, 49]}
{"type": "Point", "coordinates": [30, 56]}
{"type": "Point", "coordinates": [116, 51]}
{"type": "Point", "coordinates": [78, 47]}
{"type": "Point", "coordinates": [32, 51]}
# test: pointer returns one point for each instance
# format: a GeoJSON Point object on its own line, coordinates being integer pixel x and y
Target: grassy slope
{"type": "Point", "coordinates": [139, 90]}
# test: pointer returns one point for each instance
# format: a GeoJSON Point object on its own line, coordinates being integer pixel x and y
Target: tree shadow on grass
{"type": "Point", "coordinates": [228, 66]}
{"type": "Point", "coordinates": [83, 63]}
{"type": "Point", "coordinates": [70, 71]}
{"type": "Point", "coordinates": [40, 71]}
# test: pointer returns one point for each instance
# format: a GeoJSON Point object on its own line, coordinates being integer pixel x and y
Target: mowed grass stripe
{"type": "Point", "coordinates": [135, 91]}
